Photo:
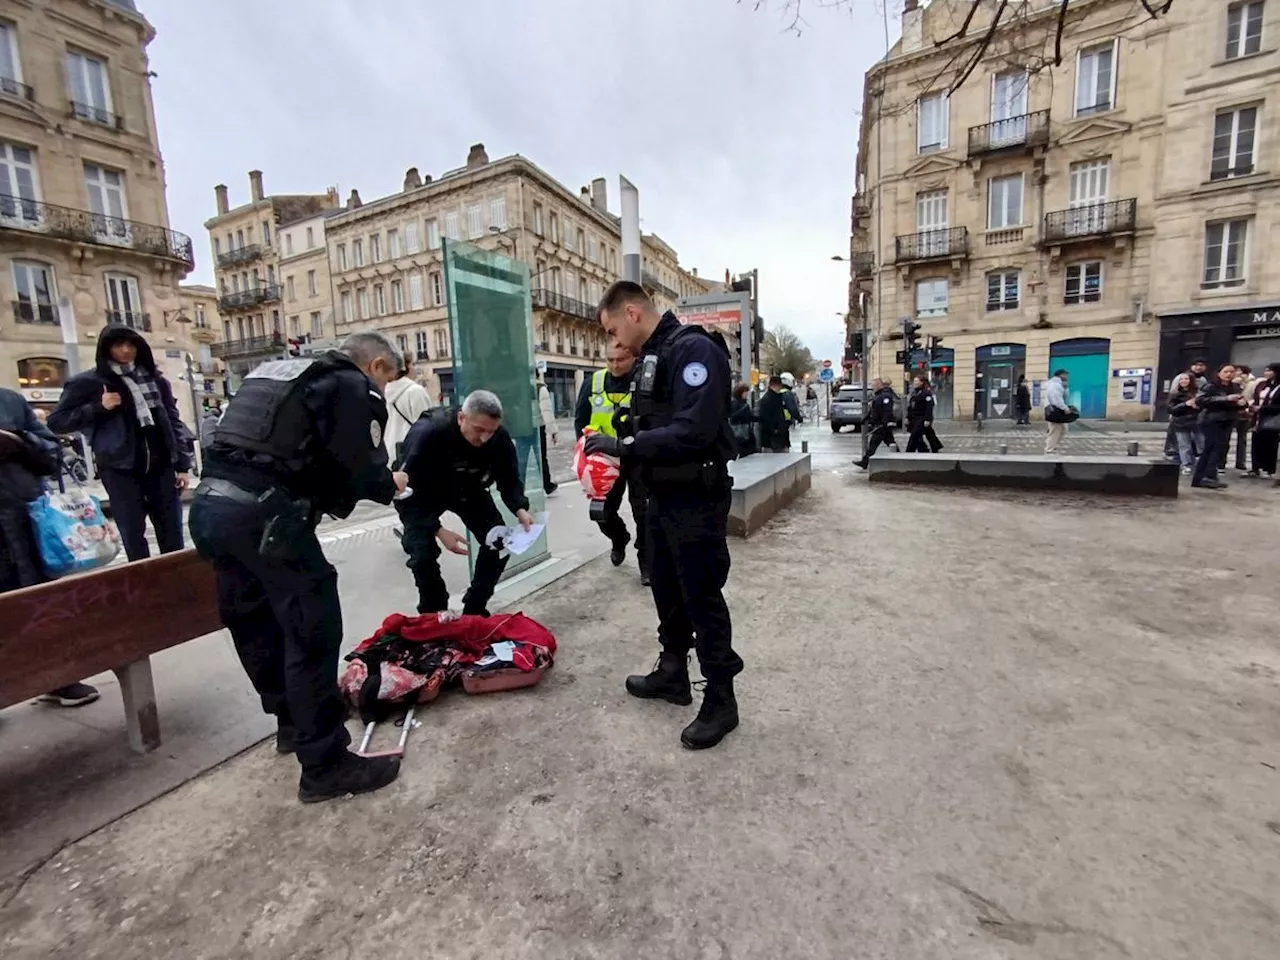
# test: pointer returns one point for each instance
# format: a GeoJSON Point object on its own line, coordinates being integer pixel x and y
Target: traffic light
{"type": "Point", "coordinates": [935, 348]}
{"type": "Point", "coordinates": [910, 335]}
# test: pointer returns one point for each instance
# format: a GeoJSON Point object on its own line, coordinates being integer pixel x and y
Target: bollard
{"type": "Point", "coordinates": [804, 446]}
{"type": "Point", "coordinates": [1004, 449]}
{"type": "Point", "coordinates": [1133, 448]}
{"type": "Point", "coordinates": [979, 419]}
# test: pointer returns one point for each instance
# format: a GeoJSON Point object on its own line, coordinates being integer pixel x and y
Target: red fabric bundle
{"type": "Point", "coordinates": [596, 472]}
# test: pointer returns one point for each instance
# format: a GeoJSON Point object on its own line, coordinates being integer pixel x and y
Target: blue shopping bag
{"type": "Point", "coordinates": [72, 532]}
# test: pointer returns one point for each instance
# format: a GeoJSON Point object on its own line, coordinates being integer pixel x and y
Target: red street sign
{"type": "Point", "coordinates": [826, 364]}
{"type": "Point", "coordinates": [710, 314]}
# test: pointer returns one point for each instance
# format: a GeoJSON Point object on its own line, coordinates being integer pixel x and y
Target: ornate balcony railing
{"type": "Point", "coordinates": [248, 347]}
{"type": "Point", "coordinates": [239, 255]}
{"type": "Point", "coordinates": [43, 314]}
{"type": "Point", "coordinates": [129, 318]}
{"type": "Point", "coordinates": [945, 243]}
{"type": "Point", "coordinates": [87, 111]}
{"type": "Point", "coordinates": [1027, 130]}
{"type": "Point", "coordinates": [13, 88]}
{"type": "Point", "coordinates": [550, 300]}
{"type": "Point", "coordinates": [85, 226]}
{"type": "Point", "coordinates": [266, 293]}
{"type": "Point", "coordinates": [1091, 222]}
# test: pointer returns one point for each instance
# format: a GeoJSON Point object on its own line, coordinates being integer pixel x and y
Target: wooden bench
{"type": "Point", "coordinates": [111, 619]}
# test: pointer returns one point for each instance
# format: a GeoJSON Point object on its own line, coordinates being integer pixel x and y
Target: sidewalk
{"type": "Point", "coordinates": [1018, 764]}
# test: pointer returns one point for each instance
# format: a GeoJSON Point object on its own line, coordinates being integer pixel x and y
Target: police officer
{"type": "Point", "coordinates": [301, 438]}
{"type": "Point", "coordinates": [879, 414]}
{"type": "Point", "coordinates": [678, 436]}
{"type": "Point", "coordinates": [604, 395]}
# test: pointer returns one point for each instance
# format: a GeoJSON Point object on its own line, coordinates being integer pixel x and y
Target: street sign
{"type": "Point", "coordinates": [900, 358]}
{"type": "Point", "coordinates": [826, 375]}
{"type": "Point", "coordinates": [826, 364]}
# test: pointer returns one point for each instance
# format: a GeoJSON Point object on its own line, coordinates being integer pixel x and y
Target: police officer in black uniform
{"type": "Point", "coordinates": [301, 438]}
{"type": "Point", "coordinates": [677, 434]}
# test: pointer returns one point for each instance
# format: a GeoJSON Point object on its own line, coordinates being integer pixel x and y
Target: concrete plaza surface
{"type": "Point", "coordinates": [974, 725]}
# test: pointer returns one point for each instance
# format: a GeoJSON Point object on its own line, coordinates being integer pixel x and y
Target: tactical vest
{"type": "Point", "coordinates": [267, 416]}
{"type": "Point", "coordinates": [604, 405]}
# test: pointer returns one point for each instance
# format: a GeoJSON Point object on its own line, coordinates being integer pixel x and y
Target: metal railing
{"type": "Point", "coordinates": [942, 244]}
{"type": "Point", "coordinates": [266, 293]}
{"type": "Point", "coordinates": [550, 300]}
{"type": "Point", "coordinates": [248, 346]}
{"type": "Point", "coordinates": [85, 226]}
{"type": "Point", "coordinates": [864, 265]}
{"type": "Point", "coordinates": [14, 88]}
{"type": "Point", "coordinates": [44, 314]}
{"type": "Point", "coordinates": [238, 255]}
{"type": "Point", "coordinates": [87, 111]}
{"type": "Point", "coordinates": [1094, 220]}
{"type": "Point", "coordinates": [1027, 130]}
{"type": "Point", "coordinates": [650, 280]}
{"type": "Point", "coordinates": [129, 318]}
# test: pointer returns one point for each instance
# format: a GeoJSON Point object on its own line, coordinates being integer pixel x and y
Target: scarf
{"type": "Point", "coordinates": [143, 389]}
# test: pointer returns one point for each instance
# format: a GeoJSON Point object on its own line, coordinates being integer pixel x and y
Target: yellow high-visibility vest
{"type": "Point", "coordinates": [603, 405]}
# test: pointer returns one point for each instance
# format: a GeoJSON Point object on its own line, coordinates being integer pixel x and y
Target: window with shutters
{"type": "Point", "coordinates": [411, 244]}
{"type": "Point", "coordinates": [498, 212]}
{"type": "Point", "coordinates": [451, 226]}
{"type": "Point", "coordinates": [415, 291]}
{"type": "Point", "coordinates": [1233, 142]}
{"type": "Point", "coordinates": [475, 222]}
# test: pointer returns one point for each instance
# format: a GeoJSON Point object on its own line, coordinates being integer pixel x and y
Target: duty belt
{"type": "Point", "coordinates": [225, 488]}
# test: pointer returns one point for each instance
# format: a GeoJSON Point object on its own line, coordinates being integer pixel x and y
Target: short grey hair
{"type": "Point", "coordinates": [371, 345]}
{"type": "Point", "coordinates": [483, 402]}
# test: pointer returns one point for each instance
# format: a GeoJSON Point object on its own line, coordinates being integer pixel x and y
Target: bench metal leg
{"type": "Point", "coordinates": [139, 693]}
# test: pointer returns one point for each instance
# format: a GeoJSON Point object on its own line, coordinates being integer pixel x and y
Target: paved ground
{"type": "Point", "coordinates": [976, 726]}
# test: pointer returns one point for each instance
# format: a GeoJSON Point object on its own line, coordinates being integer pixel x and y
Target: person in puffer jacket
{"type": "Point", "coordinates": [1184, 420]}
{"type": "Point", "coordinates": [1220, 402]}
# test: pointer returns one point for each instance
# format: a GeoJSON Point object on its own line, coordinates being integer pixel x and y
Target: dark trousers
{"type": "Point", "coordinates": [689, 565]}
{"type": "Point", "coordinates": [881, 434]}
{"type": "Point", "coordinates": [1216, 438]}
{"type": "Point", "coordinates": [524, 446]}
{"type": "Point", "coordinates": [285, 619]}
{"type": "Point", "coordinates": [1241, 430]}
{"type": "Point", "coordinates": [480, 515]}
{"type": "Point", "coordinates": [20, 564]}
{"type": "Point", "coordinates": [1171, 443]}
{"type": "Point", "coordinates": [923, 437]}
{"type": "Point", "coordinates": [615, 528]}
{"type": "Point", "coordinates": [135, 497]}
{"type": "Point", "coordinates": [1266, 444]}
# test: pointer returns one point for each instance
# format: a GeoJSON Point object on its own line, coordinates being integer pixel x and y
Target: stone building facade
{"type": "Point", "coordinates": [84, 226]}
{"type": "Point", "coordinates": [306, 293]}
{"type": "Point", "coordinates": [1036, 220]}
{"type": "Point", "coordinates": [208, 375]}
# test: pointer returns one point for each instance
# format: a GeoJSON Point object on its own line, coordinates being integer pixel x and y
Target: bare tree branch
{"type": "Point", "coordinates": [964, 27]}
{"type": "Point", "coordinates": [1057, 37]}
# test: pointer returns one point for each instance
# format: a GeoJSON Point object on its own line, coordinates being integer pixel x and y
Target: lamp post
{"type": "Point", "coordinates": [863, 354]}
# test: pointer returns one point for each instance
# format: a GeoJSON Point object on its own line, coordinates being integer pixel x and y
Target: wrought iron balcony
{"type": "Point", "coordinates": [12, 88]}
{"type": "Point", "coordinates": [945, 243]}
{"type": "Point", "coordinates": [1091, 222]}
{"type": "Point", "coordinates": [265, 293]}
{"type": "Point", "coordinates": [1027, 130]}
{"type": "Point", "coordinates": [129, 318]}
{"type": "Point", "coordinates": [105, 118]}
{"type": "Point", "coordinates": [249, 346]}
{"type": "Point", "coordinates": [43, 314]}
{"type": "Point", "coordinates": [864, 265]}
{"type": "Point", "coordinates": [85, 226]}
{"type": "Point", "coordinates": [550, 300]}
{"type": "Point", "coordinates": [239, 255]}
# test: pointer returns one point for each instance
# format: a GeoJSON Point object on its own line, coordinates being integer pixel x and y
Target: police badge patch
{"type": "Point", "coordinates": [694, 374]}
{"type": "Point", "coordinates": [375, 433]}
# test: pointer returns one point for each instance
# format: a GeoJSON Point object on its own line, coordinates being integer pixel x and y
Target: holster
{"type": "Point", "coordinates": [288, 519]}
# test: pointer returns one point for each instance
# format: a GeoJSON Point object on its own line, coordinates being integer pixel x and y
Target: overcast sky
{"type": "Point", "coordinates": [739, 135]}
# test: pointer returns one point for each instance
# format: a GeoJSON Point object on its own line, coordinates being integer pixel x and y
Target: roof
{"type": "Point", "coordinates": [124, 5]}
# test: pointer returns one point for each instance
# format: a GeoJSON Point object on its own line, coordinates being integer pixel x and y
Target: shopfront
{"type": "Point", "coordinates": [561, 385]}
{"type": "Point", "coordinates": [941, 371]}
{"type": "Point", "coordinates": [1087, 361]}
{"type": "Point", "coordinates": [996, 370]}
{"type": "Point", "coordinates": [1250, 336]}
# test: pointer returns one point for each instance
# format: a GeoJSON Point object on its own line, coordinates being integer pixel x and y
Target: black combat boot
{"type": "Point", "coordinates": [716, 718]}
{"type": "Point", "coordinates": [668, 681]}
{"type": "Point", "coordinates": [286, 734]}
{"type": "Point", "coordinates": [645, 579]}
{"type": "Point", "coordinates": [351, 774]}
{"type": "Point", "coordinates": [619, 552]}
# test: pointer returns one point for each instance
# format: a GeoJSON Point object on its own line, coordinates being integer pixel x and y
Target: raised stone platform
{"type": "Point", "coordinates": [1131, 476]}
{"type": "Point", "coordinates": [763, 484]}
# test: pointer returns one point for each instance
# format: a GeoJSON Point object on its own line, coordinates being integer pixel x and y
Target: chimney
{"type": "Point", "coordinates": [694, 271]}
{"type": "Point", "coordinates": [412, 179]}
{"type": "Point", "coordinates": [912, 27]}
{"type": "Point", "coordinates": [354, 202]}
{"type": "Point", "coordinates": [220, 194]}
{"type": "Point", "coordinates": [331, 198]}
{"type": "Point", "coordinates": [426, 179]}
{"type": "Point", "coordinates": [477, 157]}
{"type": "Point", "coordinates": [255, 185]}
{"type": "Point", "coordinates": [600, 194]}
{"type": "Point", "coordinates": [585, 195]}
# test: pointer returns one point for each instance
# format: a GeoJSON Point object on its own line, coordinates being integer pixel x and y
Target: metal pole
{"type": "Point", "coordinates": [630, 230]}
{"type": "Point", "coordinates": [70, 336]}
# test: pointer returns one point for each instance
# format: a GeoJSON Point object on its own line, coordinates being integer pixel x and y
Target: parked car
{"type": "Point", "coordinates": [846, 408]}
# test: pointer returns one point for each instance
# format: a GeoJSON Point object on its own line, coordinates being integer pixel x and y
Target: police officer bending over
{"type": "Point", "coordinates": [680, 440]}
{"type": "Point", "coordinates": [452, 459]}
{"type": "Point", "coordinates": [603, 396]}
{"type": "Point", "coordinates": [300, 439]}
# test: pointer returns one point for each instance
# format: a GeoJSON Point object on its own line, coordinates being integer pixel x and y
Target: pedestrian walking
{"type": "Point", "coordinates": [142, 448]}
{"type": "Point", "coordinates": [1184, 421]}
{"type": "Point", "coordinates": [1022, 401]}
{"type": "Point", "coordinates": [1196, 374]}
{"type": "Point", "coordinates": [452, 459]}
{"type": "Point", "coordinates": [29, 453]}
{"type": "Point", "coordinates": [407, 401]}
{"type": "Point", "coordinates": [1247, 383]}
{"type": "Point", "coordinates": [679, 436]}
{"type": "Point", "coordinates": [302, 438]}
{"type": "Point", "coordinates": [1057, 412]}
{"type": "Point", "coordinates": [775, 417]}
{"type": "Point", "coordinates": [1266, 412]}
{"type": "Point", "coordinates": [743, 420]}
{"type": "Point", "coordinates": [1220, 402]}
{"type": "Point", "coordinates": [920, 416]}
{"type": "Point", "coordinates": [879, 415]}
{"type": "Point", "coordinates": [547, 428]}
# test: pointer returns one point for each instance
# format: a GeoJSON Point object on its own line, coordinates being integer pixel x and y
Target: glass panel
{"type": "Point", "coordinates": [490, 319]}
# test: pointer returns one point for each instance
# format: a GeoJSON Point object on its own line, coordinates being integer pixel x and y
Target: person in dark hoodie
{"type": "Point", "coordinates": [775, 418]}
{"type": "Point", "coordinates": [1220, 402]}
{"type": "Point", "coordinates": [28, 453]}
{"type": "Point", "coordinates": [140, 444]}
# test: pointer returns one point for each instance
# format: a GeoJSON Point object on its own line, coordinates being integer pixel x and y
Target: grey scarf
{"type": "Point", "coordinates": [141, 388]}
